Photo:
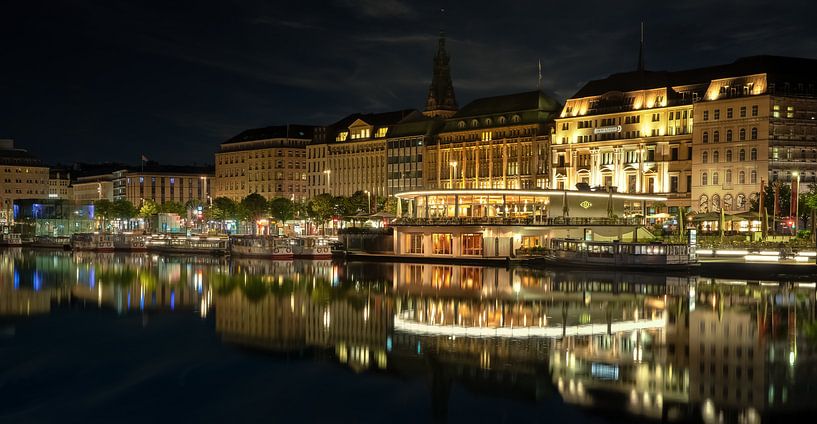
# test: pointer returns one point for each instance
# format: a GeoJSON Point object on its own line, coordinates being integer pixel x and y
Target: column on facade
{"type": "Point", "coordinates": [595, 174]}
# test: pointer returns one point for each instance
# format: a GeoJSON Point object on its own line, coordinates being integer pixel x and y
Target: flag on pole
{"type": "Point", "coordinates": [145, 158]}
{"type": "Point", "coordinates": [539, 81]}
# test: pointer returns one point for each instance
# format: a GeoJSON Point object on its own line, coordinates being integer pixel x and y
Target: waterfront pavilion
{"type": "Point", "coordinates": [497, 222]}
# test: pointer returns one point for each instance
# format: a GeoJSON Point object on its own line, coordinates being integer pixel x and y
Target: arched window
{"type": "Point", "coordinates": [753, 177]}
{"type": "Point", "coordinates": [474, 123]}
{"type": "Point", "coordinates": [515, 118]}
{"type": "Point", "coordinates": [501, 120]}
{"type": "Point", "coordinates": [742, 134]}
{"type": "Point", "coordinates": [742, 177]}
{"type": "Point", "coordinates": [742, 155]}
{"type": "Point", "coordinates": [704, 179]}
{"type": "Point", "coordinates": [754, 133]}
{"type": "Point", "coordinates": [729, 155]}
{"type": "Point", "coordinates": [716, 156]}
{"type": "Point", "coordinates": [753, 154]}
{"type": "Point", "coordinates": [728, 135]}
{"type": "Point", "coordinates": [716, 136]}
{"type": "Point", "coordinates": [728, 177]}
{"type": "Point", "coordinates": [703, 203]}
{"type": "Point", "coordinates": [715, 181]}
{"type": "Point", "coordinates": [705, 157]}
{"type": "Point", "coordinates": [741, 201]}
{"type": "Point", "coordinates": [461, 124]}
{"type": "Point", "coordinates": [488, 122]}
{"type": "Point", "coordinates": [716, 203]}
{"type": "Point", "coordinates": [706, 137]}
{"type": "Point", "coordinates": [727, 202]}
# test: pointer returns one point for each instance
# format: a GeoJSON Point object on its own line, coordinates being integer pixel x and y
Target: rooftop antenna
{"type": "Point", "coordinates": [539, 76]}
{"type": "Point", "coordinates": [641, 50]}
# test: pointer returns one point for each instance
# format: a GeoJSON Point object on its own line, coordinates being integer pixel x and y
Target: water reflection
{"type": "Point", "coordinates": [650, 346]}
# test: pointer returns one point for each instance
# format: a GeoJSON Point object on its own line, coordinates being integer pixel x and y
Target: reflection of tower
{"type": "Point", "coordinates": [440, 391]}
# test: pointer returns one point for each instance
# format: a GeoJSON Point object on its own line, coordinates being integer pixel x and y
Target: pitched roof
{"type": "Point", "coordinates": [530, 100]}
{"type": "Point", "coordinates": [277, 131]}
{"type": "Point", "coordinates": [778, 68]}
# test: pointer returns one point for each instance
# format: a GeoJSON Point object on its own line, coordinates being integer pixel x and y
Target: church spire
{"type": "Point", "coordinates": [441, 100]}
{"type": "Point", "coordinates": [641, 50]}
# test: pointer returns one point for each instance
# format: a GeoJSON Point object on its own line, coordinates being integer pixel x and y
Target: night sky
{"type": "Point", "coordinates": [101, 81]}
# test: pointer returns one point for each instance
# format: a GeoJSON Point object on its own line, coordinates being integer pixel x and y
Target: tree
{"type": "Point", "coordinates": [282, 209]}
{"type": "Point", "coordinates": [254, 207]}
{"type": "Point", "coordinates": [390, 205]}
{"type": "Point", "coordinates": [173, 207]}
{"type": "Point", "coordinates": [768, 200]}
{"type": "Point", "coordinates": [148, 209]}
{"type": "Point", "coordinates": [103, 209]}
{"type": "Point", "coordinates": [124, 209]}
{"type": "Point", "coordinates": [321, 207]}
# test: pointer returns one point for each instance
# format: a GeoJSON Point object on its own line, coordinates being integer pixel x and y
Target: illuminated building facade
{"type": "Point", "coordinates": [269, 161]}
{"type": "Point", "coordinates": [59, 185]}
{"type": "Point", "coordinates": [629, 133]}
{"type": "Point", "coordinates": [405, 148]}
{"type": "Point", "coordinates": [494, 142]}
{"type": "Point", "coordinates": [160, 184]}
{"type": "Point", "coordinates": [92, 188]}
{"type": "Point", "coordinates": [350, 155]}
{"type": "Point", "coordinates": [22, 176]}
{"type": "Point", "coordinates": [754, 123]}
{"type": "Point", "coordinates": [633, 132]}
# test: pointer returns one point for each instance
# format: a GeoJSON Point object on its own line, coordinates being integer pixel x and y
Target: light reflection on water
{"type": "Point", "coordinates": [646, 345]}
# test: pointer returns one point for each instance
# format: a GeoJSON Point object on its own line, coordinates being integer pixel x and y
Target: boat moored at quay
{"type": "Point", "coordinates": [201, 245]}
{"type": "Point", "coordinates": [311, 248]}
{"type": "Point", "coordinates": [262, 246]}
{"type": "Point", "coordinates": [10, 240]}
{"type": "Point", "coordinates": [130, 243]}
{"type": "Point", "coordinates": [94, 242]}
{"type": "Point", "coordinates": [614, 254]}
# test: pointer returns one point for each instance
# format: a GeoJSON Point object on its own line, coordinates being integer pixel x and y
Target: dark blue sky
{"type": "Point", "coordinates": [107, 80]}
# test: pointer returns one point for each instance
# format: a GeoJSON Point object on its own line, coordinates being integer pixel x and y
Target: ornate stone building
{"type": "Point", "coordinates": [270, 161]}
{"type": "Point", "coordinates": [350, 155]}
{"type": "Point", "coordinates": [493, 142]}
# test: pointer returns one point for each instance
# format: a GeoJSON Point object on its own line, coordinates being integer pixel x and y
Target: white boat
{"type": "Point", "coordinates": [96, 242]}
{"type": "Point", "coordinates": [130, 243]}
{"type": "Point", "coordinates": [50, 242]}
{"type": "Point", "coordinates": [311, 248]}
{"type": "Point", "coordinates": [189, 245]}
{"type": "Point", "coordinates": [266, 247]}
{"type": "Point", "coordinates": [613, 254]}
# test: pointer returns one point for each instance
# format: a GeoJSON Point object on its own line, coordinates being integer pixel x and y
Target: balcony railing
{"type": "Point", "coordinates": [528, 221]}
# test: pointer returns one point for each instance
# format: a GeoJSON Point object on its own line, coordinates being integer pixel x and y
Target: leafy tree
{"type": "Point", "coordinates": [103, 209]}
{"type": "Point", "coordinates": [123, 209]}
{"type": "Point", "coordinates": [254, 207]}
{"type": "Point", "coordinates": [358, 202]}
{"type": "Point", "coordinates": [173, 207]}
{"type": "Point", "coordinates": [390, 205]}
{"type": "Point", "coordinates": [321, 207]}
{"type": "Point", "coordinates": [768, 200]}
{"type": "Point", "coordinates": [282, 209]}
{"type": "Point", "coordinates": [343, 206]}
{"type": "Point", "coordinates": [148, 209]}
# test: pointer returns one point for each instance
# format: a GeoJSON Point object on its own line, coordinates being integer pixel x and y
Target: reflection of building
{"type": "Point", "coordinates": [269, 161]}
{"type": "Point", "coordinates": [22, 176]}
{"type": "Point", "coordinates": [495, 223]}
{"type": "Point", "coordinates": [273, 322]}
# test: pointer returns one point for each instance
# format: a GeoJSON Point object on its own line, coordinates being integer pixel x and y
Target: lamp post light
{"type": "Point", "coordinates": [328, 173]}
{"type": "Point", "coordinates": [453, 164]}
{"type": "Point", "coordinates": [369, 200]}
{"type": "Point", "coordinates": [795, 193]}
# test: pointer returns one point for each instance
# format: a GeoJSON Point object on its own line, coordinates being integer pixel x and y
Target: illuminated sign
{"type": "Point", "coordinates": [585, 204]}
{"type": "Point", "coordinates": [607, 130]}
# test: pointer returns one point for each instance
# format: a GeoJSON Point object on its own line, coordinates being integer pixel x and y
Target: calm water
{"type": "Point", "coordinates": [137, 338]}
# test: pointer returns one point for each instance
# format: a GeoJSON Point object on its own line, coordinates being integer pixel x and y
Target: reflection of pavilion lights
{"type": "Point", "coordinates": [327, 319]}
{"type": "Point", "coordinates": [524, 332]}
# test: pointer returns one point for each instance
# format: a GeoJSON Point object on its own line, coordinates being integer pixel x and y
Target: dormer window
{"type": "Point", "coordinates": [342, 136]}
{"type": "Point", "coordinates": [474, 123]}
{"type": "Point", "coordinates": [361, 133]}
{"type": "Point", "coordinates": [515, 119]}
{"type": "Point", "coordinates": [381, 132]}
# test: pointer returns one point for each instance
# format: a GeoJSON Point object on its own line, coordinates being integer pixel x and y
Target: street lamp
{"type": "Point", "coordinates": [795, 193]}
{"type": "Point", "coordinates": [453, 163]}
{"type": "Point", "coordinates": [328, 173]}
{"type": "Point", "coordinates": [369, 200]}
